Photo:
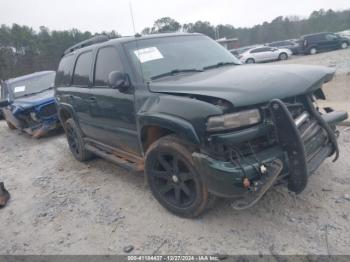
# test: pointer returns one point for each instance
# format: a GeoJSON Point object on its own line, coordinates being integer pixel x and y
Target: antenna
{"type": "Point", "coordinates": [136, 40]}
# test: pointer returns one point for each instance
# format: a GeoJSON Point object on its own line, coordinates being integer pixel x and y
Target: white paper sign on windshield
{"type": "Point", "coordinates": [148, 54]}
{"type": "Point", "coordinates": [19, 89]}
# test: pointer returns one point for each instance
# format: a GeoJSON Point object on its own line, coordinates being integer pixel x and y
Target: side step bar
{"type": "Point", "coordinates": [130, 166]}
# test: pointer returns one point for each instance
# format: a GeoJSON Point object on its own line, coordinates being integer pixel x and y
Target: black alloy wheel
{"type": "Point", "coordinates": [173, 178]}
{"type": "Point", "coordinates": [76, 142]}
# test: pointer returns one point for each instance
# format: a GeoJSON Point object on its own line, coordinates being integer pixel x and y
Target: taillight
{"type": "Point", "coordinates": [305, 42]}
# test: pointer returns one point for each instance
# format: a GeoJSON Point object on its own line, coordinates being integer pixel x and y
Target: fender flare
{"type": "Point", "coordinates": [70, 109]}
{"type": "Point", "coordinates": [177, 125]}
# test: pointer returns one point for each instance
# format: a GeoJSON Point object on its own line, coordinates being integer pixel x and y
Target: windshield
{"type": "Point", "coordinates": [193, 53]}
{"type": "Point", "coordinates": [33, 85]}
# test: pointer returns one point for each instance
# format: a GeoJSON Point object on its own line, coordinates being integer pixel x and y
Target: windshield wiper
{"type": "Point", "coordinates": [176, 71]}
{"type": "Point", "coordinates": [220, 64]}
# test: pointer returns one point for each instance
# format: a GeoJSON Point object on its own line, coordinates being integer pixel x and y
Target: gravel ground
{"type": "Point", "coordinates": [61, 206]}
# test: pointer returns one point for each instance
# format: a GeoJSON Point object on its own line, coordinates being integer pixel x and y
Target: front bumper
{"type": "Point", "coordinates": [43, 128]}
{"type": "Point", "coordinates": [39, 129]}
{"type": "Point", "coordinates": [299, 151]}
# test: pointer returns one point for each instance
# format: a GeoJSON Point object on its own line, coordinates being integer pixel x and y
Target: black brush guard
{"type": "Point", "coordinates": [306, 149]}
{"type": "Point", "coordinates": [307, 140]}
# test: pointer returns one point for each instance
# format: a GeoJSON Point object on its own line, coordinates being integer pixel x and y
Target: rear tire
{"type": "Point", "coordinates": [173, 179]}
{"type": "Point", "coordinates": [344, 45]}
{"type": "Point", "coordinates": [76, 142]}
{"type": "Point", "coordinates": [11, 126]}
{"type": "Point", "coordinates": [313, 51]}
{"type": "Point", "coordinates": [250, 61]}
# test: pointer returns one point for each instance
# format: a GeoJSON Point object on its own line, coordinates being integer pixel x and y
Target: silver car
{"type": "Point", "coordinates": [264, 54]}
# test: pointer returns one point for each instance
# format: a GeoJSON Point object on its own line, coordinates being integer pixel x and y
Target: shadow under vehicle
{"type": "Point", "coordinates": [183, 109]}
{"type": "Point", "coordinates": [28, 103]}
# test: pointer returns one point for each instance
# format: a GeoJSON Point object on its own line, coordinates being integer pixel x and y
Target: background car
{"type": "Point", "coordinates": [264, 54]}
{"type": "Point", "coordinates": [238, 51]}
{"type": "Point", "coordinates": [345, 33]}
{"type": "Point", "coordinates": [28, 103]}
{"type": "Point", "coordinates": [314, 43]}
{"type": "Point", "coordinates": [289, 44]}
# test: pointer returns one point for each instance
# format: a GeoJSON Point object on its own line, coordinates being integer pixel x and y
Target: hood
{"type": "Point", "coordinates": [245, 85]}
{"type": "Point", "coordinates": [26, 102]}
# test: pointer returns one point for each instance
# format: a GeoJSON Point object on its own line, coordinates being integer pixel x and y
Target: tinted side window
{"type": "Point", "coordinates": [263, 49]}
{"type": "Point", "coordinates": [258, 50]}
{"type": "Point", "coordinates": [82, 69]}
{"type": "Point", "coordinates": [331, 37]}
{"type": "Point", "coordinates": [320, 37]}
{"type": "Point", "coordinates": [107, 60]}
{"type": "Point", "coordinates": [64, 71]}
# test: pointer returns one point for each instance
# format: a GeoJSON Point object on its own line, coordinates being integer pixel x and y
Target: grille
{"type": "Point", "coordinates": [312, 134]}
{"type": "Point", "coordinates": [48, 110]}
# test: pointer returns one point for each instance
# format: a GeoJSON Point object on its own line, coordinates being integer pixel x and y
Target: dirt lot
{"type": "Point", "coordinates": [61, 206]}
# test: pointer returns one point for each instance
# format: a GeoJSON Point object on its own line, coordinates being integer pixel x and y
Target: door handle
{"type": "Point", "coordinates": [92, 99]}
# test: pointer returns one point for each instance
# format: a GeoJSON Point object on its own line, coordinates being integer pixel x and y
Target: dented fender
{"type": "Point", "coordinates": [183, 115]}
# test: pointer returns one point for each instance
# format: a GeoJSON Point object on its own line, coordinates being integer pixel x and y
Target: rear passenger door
{"type": "Point", "coordinates": [322, 42]}
{"type": "Point", "coordinates": [258, 54]}
{"type": "Point", "coordinates": [79, 92]}
{"type": "Point", "coordinates": [111, 111]}
{"type": "Point", "coordinates": [263, 54]}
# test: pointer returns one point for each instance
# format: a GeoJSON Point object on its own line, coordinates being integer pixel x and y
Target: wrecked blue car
{"type": "Point", "coordinates": [28, 103]}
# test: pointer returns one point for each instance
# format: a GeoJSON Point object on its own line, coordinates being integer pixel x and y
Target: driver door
{"type": "Point", "coordinates": [111, 112]}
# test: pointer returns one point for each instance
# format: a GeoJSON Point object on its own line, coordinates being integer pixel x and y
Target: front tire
{"type": "Point", "coordinates": [344, 45]}
{"type": "Point", "coordinates": [173, 179]}
{"type": "Point", "coordinates": [283, 56]}
{"type": "Point", "coordinates": [76, 142]}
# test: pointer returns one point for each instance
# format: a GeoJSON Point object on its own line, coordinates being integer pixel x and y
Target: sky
{"type": "Point", "coordinates": [107, 15]}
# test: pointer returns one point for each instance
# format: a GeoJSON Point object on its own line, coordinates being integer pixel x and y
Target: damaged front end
{"type": "Point", "coordinates": [37, 121]}
{"type": "Point", "coordinates": [288, 145]}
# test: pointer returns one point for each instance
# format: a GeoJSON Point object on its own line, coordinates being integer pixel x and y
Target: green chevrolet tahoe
{"type": "Point", "coordinates": [198, 123]}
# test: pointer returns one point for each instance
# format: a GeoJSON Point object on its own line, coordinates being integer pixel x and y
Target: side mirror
{"type": "Point", "coordinates": [118, 80]}
{"type": "Point", "coordinates": [4, 103]}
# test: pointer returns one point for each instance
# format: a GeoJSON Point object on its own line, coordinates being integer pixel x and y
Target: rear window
{"type": "Point", "coordinates": [82, 69]}
{"type": "Point", "coordinates": [32, 85]}
{"type": "Point", "coordinates": [64, 71]}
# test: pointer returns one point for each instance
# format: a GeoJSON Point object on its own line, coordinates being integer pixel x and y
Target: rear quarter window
{"type": "Point", "coordinates": [82, 69]}
{"type": "Point", "coordinates": [64, 71]}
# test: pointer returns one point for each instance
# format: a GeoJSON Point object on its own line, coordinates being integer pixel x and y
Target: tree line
{"type": "Point", "coordinates": [280, 28]}
{"type": "Point", "coordinates": [24, 50]}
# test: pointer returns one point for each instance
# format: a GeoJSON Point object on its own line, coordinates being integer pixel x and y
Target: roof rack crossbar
{"type": "Point", "coordinates": [94, 40]}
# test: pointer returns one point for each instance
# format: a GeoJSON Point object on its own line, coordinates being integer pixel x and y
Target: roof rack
{"type": "Point", "coordinates": [94, 40]}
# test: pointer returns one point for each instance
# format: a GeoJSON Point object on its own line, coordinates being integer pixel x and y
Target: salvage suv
{"type": "Point", "coordinates": [200, 124]}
